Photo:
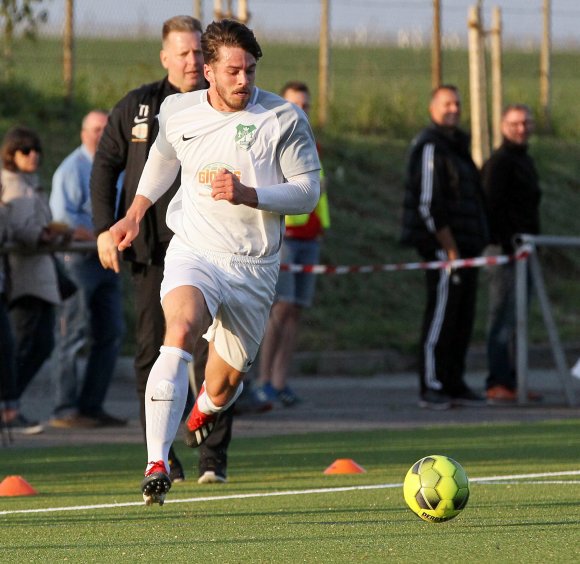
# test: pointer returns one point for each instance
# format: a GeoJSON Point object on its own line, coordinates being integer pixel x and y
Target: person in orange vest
{"type": "Point", "coordinates": [294, 291]}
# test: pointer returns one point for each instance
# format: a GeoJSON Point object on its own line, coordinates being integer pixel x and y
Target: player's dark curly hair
{"type": "Point", "coordinates": [228, 33]}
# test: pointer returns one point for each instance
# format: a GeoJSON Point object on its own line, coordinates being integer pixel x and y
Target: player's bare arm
{"type": "Point", "coordinates": [126, 229]}
{"type": "Point", "coordinates": [226, 186]}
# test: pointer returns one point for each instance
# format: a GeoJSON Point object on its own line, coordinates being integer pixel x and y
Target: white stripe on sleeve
{"type": "Point", "coordinates": [427, 166]}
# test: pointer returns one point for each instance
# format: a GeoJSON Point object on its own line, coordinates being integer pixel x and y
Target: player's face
{"type": "Point", "coordinates": [299, 98]}
{"type": "Point", "coordinates": [445, 108]}
{"type": "Point", "coordinates": [517, 126]}
{"type": "Point", "coordinates": [231, 78]}
{"type": "Point", "coordinates": [182, 57]}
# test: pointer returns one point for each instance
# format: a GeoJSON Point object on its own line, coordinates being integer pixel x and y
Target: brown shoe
{"type": "Point", "coordinates": [500, 395]}
{"type": "Point", "coordinates": [74, 421]}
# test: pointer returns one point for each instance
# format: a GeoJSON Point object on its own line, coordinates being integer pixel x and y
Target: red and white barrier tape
{"type": "Point", "coordinates": [476, 262]}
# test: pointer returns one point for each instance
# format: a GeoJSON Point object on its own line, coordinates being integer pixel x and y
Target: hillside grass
{"type": "Point", "coordinates": [378, 103]}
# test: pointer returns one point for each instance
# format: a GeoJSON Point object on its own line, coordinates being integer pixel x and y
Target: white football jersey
{"type": "Point", "coordinates": [263, 145]}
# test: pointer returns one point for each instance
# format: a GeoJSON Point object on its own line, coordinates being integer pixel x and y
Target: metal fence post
{"type": "Point", "coordinates": [522, 327]}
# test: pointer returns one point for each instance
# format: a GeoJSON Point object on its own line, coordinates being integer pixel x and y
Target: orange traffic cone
{"type": "Point", "coordinates": [13, 486]}
{"type": "Point", "coordinates": [344, 466]}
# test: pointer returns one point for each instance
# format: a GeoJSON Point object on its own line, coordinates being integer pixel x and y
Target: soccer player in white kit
{"type": "Point", "coordinates": [248, 158]}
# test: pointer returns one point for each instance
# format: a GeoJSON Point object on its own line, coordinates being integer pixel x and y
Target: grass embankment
{"type": "Point", "coordinates": [379, 99]}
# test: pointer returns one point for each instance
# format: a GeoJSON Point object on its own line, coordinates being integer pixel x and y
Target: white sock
{"type": "Point", "coordinates": [205, 405]}
{"type": "Point", "coordinates": [165, 397]}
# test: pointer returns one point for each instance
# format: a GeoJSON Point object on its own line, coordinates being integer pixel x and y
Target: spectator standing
{"type": "Point", "coordinates": [444, 219]}
{"type": "Point", "coordinates": [248, 158]}
{"type": "Point", "coordinates": [294, 291]}
{"type": "Point", "coordinates": [94, 314]}
{"type": "Point", "coordinates": [7, 370]}
{"type": "Point", "coordinates": [33, 279]}
{"type": "Point", "coordinates": [131, 130]}
{"type": "Point", "coordinates": [511, 184]}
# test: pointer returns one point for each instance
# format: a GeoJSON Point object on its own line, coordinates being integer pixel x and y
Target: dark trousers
{"type": "Point", "coordinates": [447, 328]}
{"type": "Point", "coordinates": [501, 337]}
{"type": "Point", "coordinates": [150, 331]}
{"type": "Point", "coordinates": [7, 369]}
{"type": "Point", "coordinates": [33, 324]}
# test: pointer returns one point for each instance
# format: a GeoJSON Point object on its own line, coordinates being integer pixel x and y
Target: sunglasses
{"type": "Point", "coordinates": [27, 150]}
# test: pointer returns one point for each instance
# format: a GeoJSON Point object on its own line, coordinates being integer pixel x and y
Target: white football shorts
{"type": "Point", "coordinates": [239, 291]}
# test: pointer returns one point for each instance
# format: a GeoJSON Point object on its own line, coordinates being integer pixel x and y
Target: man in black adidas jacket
{"type": "Point", "coordinates": [130, 132]}
{"type": "Point", "coordinates": [444, 219]}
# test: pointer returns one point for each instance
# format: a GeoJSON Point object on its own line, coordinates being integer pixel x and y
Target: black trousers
{"type": "Point", "coordinates": [33, 322]}
{"type": "Point", "coordinates": [447, 328]}
{"type": "Point", "coordinates": [150, 331]}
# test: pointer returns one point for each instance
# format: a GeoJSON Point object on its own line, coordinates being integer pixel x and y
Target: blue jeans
{"type": "Point", "coordinates": [502, 325]}
{"type": "Point", "coordinates": [92, 317]}
{"type": "Point", "coordinates": [297, 288]}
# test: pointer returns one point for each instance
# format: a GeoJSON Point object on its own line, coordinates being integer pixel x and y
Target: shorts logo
{"type": "Point", "coordinates": [206, 175]}
{"type": "Point", "coordinates": [245, 136]}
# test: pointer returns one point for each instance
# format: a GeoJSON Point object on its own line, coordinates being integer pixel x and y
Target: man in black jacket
{"type": "Point", "coordinates": [444, 220]}
{"type": "Point", "coordinates": [511, 184]}
{"type": "Point", "coordinates": [124, 146]}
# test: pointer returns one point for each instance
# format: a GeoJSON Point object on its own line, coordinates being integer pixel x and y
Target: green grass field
{"type": "Point", "coordinates": [279, 506]}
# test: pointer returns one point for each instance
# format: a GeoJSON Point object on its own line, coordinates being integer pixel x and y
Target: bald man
{"type": "Point", "coordinates": [94, 314]}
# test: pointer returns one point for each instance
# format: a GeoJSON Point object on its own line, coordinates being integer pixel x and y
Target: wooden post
{"type": "Point", "coordinates": [474, 29]}
{"type": "Point", "coordinates": [323, 63]}
{"type": "Point", "coordinates": [68, 52]}
{"type": "Point", "coordinates": [217, 10]}
{"type": "Point", "coordinates": [243, 14]}
{"type": "Point", "coordinates": [496, 75]}
{"type": "Point", "coordinates": [198, 9]}
{"type": "Point", "coordinates": [485, 142]}
{"type": "Point", "coordinates": [436, 46]}
{"type": "Point", "coordinates": [545, 71]}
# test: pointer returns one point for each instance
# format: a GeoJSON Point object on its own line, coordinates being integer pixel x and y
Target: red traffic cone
{"type": "Point", "coordinates": [344, 466]}
{"type": "Point", "coordinates": [13, 486]}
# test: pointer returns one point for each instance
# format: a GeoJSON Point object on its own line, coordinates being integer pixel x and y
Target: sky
{"type": "Point", "coordinates": [351, 20]}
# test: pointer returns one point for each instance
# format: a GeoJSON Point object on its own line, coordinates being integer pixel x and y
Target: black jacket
{"type": "Point", "coordinates": [511, 184]}
{"type": "Point", "coordinates": [443, 189]}
{"type": "Point", "coordinates": [124, 146]}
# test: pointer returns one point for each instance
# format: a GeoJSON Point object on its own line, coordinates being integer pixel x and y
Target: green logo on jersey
{"type": "Point", "coordinates": [245, 135]}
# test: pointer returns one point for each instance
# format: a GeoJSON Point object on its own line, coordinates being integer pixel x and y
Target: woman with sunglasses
{"type": "Point", "coordinates": [32, 278]}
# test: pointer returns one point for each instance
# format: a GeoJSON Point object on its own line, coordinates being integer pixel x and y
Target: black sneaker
{"type": "Point", "coordinates": [467, 398]}
{"type": "Point", "coordinates": [176, 473]}
{"type": "Point", "coordinates": [156, 483]}
{"type": "Point", "coordinates": [434, 399]}
{"type": "Point", "coordinates": [107, 420]}
{"type": "Point", "coordinates": [287, 397]}
{"type": "Point", "coordinates": [212, 477]}
{"type": "Point", "coordinates": [21, 424]}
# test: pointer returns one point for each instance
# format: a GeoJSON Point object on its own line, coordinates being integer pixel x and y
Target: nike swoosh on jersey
{"type": "Point", "coordinates": [184, 138]}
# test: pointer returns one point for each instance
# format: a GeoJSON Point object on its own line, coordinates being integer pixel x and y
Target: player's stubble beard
{"type": "Point", "coordinates": [231, 100]}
